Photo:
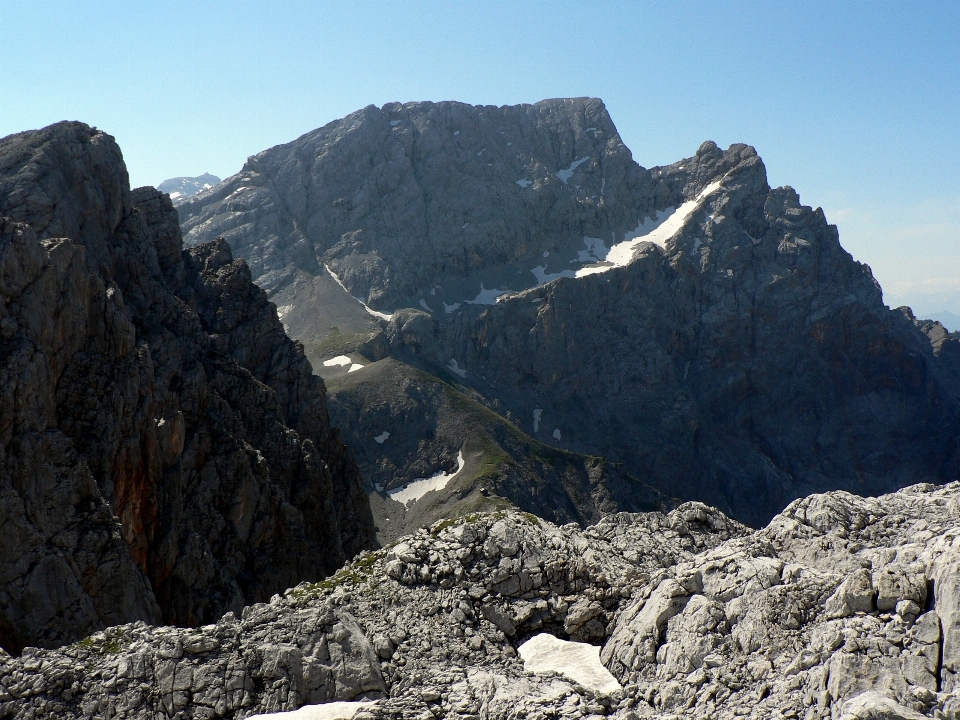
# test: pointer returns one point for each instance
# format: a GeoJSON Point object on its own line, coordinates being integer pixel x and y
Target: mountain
{"type": "Point", "coordinates": [688, 323]}
{"type": "Point", "coordinates": [180, 188]}
{"type": "Point", "coordinates": [165, 450]}
{"type": "Point", "coordinates": [842, 607]}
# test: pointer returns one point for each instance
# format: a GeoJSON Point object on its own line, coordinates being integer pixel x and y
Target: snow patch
{"type": "Point", "coordinates": [596, 251]}
{"type": "Point", "coordinates": [556, 433]}
{"type": "Point", "coordinates": [450, 308]}
{"type": "Point", "coordinates": [175, 194]}
{"type": "Point", "coordinates": [423, 304]}
{"type": "Point", "coordinates": [375, 313]}
{"type": "Point", "coordinates": [567, 172]}
{"type": "Point", "coordinates": [542, 276]}
{"type": "Point", "coordinates": [524, 183]}
{"type": "Point", "coordinates": [658, 231]}
{"type": "Point", "coordinates": [283, 310]}
{"type": "Point", "coordinates": [481, 152]}
{"type": "Point", "coordinates": [537, 414]}
{"type": "Point", "coordinates": [394, 123]}
{"type": "Point", "coordinates": [456, 132]}
{"type": "Point", "coordinates": [339, 710]}
{"type": "Point", "coordinates": [578, 662]}
{"type": "Point", "coordinates": [416, 489]}
{"type": "Point", "coordinates": [487, 297]}
{"type": "Point", "coordinates": [455, 366]}
{"type": "Point", "coordinates": [343, 361]}
{"type": "Point", "coordinates": [546, 253]}
{"type": "Point", "coordinates": [381, 437]}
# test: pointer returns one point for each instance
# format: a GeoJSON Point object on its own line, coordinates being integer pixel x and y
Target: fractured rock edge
{"type": "Point", "coordinates": [697, 616]}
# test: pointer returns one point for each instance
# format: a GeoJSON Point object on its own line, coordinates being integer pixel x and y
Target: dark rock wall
{"type": "Point", "coordinates": [749, 362]}
{"type": "Point", "coordinates": [165, 451]}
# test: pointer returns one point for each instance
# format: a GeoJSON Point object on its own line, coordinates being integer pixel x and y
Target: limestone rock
{"type": "Point", "coordinates": [165, 451]}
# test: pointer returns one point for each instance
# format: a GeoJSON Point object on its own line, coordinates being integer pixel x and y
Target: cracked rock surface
{"type": "Point", "coordinates": [165, 451]}
{"type": "Point", "coordinates": [694, 614]}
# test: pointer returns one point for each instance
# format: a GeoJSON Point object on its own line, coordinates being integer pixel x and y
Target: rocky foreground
{"type": "Point", "coordinates": [842, 607]}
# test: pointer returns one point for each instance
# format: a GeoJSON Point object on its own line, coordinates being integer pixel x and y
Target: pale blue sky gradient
{"type": "Point", "coordinates": [855, 104]}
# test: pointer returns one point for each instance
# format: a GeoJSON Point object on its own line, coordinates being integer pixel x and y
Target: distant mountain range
{"type": "Point", "coordinates": [703, 330]}
{"type": "Point", "coordinates": [949, 320]}
{"type": "Point", "coordinates": [180, 188]}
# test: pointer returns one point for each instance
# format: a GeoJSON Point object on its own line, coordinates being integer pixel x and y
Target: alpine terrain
{"type": "Point", "coordinates": [703, 331]}
{"type": "Point", "coordinates": [613, 441]}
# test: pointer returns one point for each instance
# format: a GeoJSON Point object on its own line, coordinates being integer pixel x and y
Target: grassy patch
{"type": "Point", "coordinates": [354, 574]}
{"type": "Point", "coordinates": [110, 643]}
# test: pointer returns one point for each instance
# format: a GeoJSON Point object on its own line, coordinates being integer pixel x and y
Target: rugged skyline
{"type": "Point", "coordinates": [852, 105]}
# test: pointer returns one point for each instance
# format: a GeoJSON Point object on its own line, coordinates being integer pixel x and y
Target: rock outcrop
{"type": "Point", "coordinates": [842, 607]}
{"type": "Point", "coordinates": [690, 322]}
{"type": "Point", "coordinates": [165, 450]}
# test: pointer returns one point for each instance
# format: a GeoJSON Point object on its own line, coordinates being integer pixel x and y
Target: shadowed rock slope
{"type": "Point", "coordinates": [405, 426]}
{"type": "Point", "coordinates": [165, 451]}
{"type": "Point", "coordinates": [696, 325]}
{"type": "Point", "coordinates": [842, 607]}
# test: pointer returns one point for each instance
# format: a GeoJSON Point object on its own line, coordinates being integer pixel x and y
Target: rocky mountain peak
{"type": "Point", "coordinates": [165, 451]}
{"type": "Point", "coordinates": [705, 330]}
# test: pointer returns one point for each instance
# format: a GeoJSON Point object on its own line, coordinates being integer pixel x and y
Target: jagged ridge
{"type": "Point", "coordinates": [165, 451]}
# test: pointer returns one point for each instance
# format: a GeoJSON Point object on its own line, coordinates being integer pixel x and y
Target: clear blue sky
{"type": "Point", "coordinates": [855, 104]}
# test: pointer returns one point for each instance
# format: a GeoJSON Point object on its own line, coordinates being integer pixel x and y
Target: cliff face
{"type": "Point", "coordinates": [742, 357]}
{"type": "Point", "coordinates": [705, 330]}
{"type": "Point", "coordinates": [165, 451]}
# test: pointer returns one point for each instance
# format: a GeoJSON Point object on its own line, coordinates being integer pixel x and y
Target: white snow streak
{"type": "Point", "coordinates": [542, 276]}
{"type": "Point", "coordinates": [659, 231]}
{"type": "Point", "coordinates": [566, 173]}
{"type": "Point", "coordinates": [524, 183]}
{"type": "Point", "coordinates": [423, 304]}
{"type": "Point", "coordinates": [450, 308]}
{"type": "Point", "coordinates": [416, 489]}
{"type": "Point", "coordinates": [381, 437]}
{"type": "Point", "coordinates": [455, 366]}
{"type": "Point", "coordinates": [487, 297]}
{"type": "Point", "coordinates": [375, 313]}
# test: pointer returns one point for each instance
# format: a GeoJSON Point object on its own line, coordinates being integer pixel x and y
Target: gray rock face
{"type": "Point", "coordinates": [739, 356]}
{"type": "Point", "coordinates": [696, 616]}
{"type": "Point", "coordinates": [165, 451]}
